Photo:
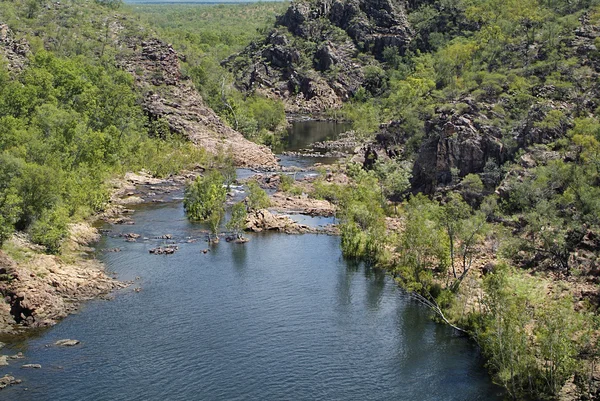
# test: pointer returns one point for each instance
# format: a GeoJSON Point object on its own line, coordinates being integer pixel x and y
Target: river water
{"type": "Point", "coordinates": [281, 317]}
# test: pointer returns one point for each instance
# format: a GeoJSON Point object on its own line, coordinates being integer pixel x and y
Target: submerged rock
{"type": "Point", "coordinates": [167, 250]}
{"type": "Point", "coordinates": [18, 355]}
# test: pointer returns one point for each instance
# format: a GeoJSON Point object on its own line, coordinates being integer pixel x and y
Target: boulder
{"type": "Point", "coordinates": [8, 380]}
{"type": "Point", "coordinates": [66, 343]}
{"type": "Point", "coordinates": [31, 366]}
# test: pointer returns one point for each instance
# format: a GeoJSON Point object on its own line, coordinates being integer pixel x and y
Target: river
{"type": "Point", "coordinates": [281, 317]}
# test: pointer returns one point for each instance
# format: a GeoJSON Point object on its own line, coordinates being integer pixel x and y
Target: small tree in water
{"type": "Point", "coordinates": [203, 200]}
{"type": "Point", "coordinates": [237, 221]}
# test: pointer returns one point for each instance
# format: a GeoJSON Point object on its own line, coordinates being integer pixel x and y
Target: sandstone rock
{"type": "Point", "coordinates": [8, 380]}
{"type": "Point", "coordinates": [172, 97]}
{"type": "Point", "coordinates": [263, 220]}
{"type": "Point", "coordinates": [281, 202]}
{"type": "Point", "coordinates": [66, 343]}
{"type": "Point", "coordinates": [45, 289]}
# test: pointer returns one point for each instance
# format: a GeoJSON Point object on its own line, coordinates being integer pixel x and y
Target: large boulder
{"type": "Point", "coordinates": [456, 143]}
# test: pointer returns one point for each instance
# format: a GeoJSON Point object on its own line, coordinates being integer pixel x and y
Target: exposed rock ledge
{"type": "Point", "coordinates": [263, 220]}
{"type": "Point", "coordinates": [283, 202]}
{"type": "Point", "coordinates": [42, 289]}
{"type": "Point", "coordinates": [172, 97]}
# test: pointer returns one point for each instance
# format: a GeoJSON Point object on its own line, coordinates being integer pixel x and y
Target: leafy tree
{"type": "Point", "coordinates": [237, 222]}
{"type": "Point", "coordinates": [394, 177]}
{"type": "Point", "coordinates": [423, 245]}
{"type": "Point", "coordinates": [257, 198]}
{"type": "Point", "coordinates": [503, 336]}
{"type": "Point", "coordinates": [50, 229]}
{"type": "Point", "coordinates": [204, 198]}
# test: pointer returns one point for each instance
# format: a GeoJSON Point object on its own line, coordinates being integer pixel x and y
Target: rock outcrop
{"type": "Point", "coordinates": [373, 25]}
{"type": "Point", "coordinates": [170, 96]}
{"type": "Point", "coordinates": [14, 51]}
{"type": "Point", "coordinates": [282, 202]}
{"type": "Point", "coordinates": [315, 59]}
{"type": "Point", "coordinates": [456, 143]}
{"type": "Point", "coordinates": [263, 220]}
{"type": "Point", "coordinates": [43, 289]}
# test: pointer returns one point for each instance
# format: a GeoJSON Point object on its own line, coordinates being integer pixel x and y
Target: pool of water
{"type": "Point", "coordinates": [279, 318]}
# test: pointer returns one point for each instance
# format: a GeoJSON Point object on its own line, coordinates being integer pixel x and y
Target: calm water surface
{"type": "Point", "coordinates": [279, 318]}
{"type": "Point", "coordinates": [302, 134]}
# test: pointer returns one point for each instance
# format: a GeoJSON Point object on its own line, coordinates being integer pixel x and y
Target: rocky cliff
{"type": "Point", "coordinates": [318, 54]}
{"type": "Point", "coordinates": [170, 96]}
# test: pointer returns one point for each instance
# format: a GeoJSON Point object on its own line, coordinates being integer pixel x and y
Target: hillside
{"type": "Point", "coordinates": [477, 185]}
{"type": "Point", "coordinates": [321, 53]}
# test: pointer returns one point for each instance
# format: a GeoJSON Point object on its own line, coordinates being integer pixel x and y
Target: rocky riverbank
{"type": "Point", "coordinates": [39, 289]}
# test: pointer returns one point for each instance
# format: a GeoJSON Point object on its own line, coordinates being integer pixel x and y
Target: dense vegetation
{"type": "Point", "coordinates": [209, 34]}
{"type": "Point", "coordinates": [517, 72]}
{"type": "Point", "coordinates": [69, 120]}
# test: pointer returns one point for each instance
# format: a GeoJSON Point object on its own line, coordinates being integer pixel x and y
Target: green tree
{"type": "Point", "coordinates": [237, 222]}
{"type": "Point", "coordinates": [394, 177]}
{"type": "Point", "coordinates": [503, 336]}
{"type": "Point", "coordinates": [257, 197]}
{"type": "Point", "coordinates": [204, 198]}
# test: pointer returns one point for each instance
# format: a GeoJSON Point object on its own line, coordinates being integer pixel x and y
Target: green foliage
{"type": "Point", "coordinates": [423, 246]}
{"type": "Point", "coordinates": [394, 177]}
{"type": "Point", "coordinates": [361, 215]}
{"type": "Point", "coordinates": [531, 340]}
{"type": "Point", "coordinates": [237, 222]}
{"type": "Point", "coordinates": [257, 198]}
{"type": "Point", "coordinates": [204, 199]}
{"type": "Point", "coordinates": [50, 229]}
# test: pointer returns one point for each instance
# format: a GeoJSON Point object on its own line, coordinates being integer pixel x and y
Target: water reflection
{"type": "Point", "coordinates": [280, 317]}
{"type": "Point", "coordinates": [302, 134]}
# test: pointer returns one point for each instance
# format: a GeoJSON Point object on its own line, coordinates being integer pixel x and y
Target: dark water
{"type": "Point", "coordinates": [279, 318]}
{"type": "Point", "coordinates": [302, 134]}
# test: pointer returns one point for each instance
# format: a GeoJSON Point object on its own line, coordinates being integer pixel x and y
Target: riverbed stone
{"type": "Point", "coordinates": [66, 343]}
{"type": "Point", "coordinates": [8, 380]}
{"type": "Point", "coordinates": [31, 366]}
